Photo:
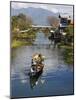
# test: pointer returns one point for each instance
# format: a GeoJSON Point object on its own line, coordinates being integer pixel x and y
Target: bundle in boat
{"type": "Point", "coordinates": [37, 64]}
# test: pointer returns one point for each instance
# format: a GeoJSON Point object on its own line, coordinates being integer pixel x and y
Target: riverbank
{"type": "Point", "coordinates": [20, 39]}
{"type": "Point", "coordinates": [67, 53]}
{"type": "Point", "coordinates": [17, 43]}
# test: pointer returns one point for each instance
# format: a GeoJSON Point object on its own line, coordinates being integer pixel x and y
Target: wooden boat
{"type": "Point", "coordinates": [36, 69]}
{"type": "Point", "coordinates": [34, 78]}
{"type": "Point", "coordinates": [36, 64]}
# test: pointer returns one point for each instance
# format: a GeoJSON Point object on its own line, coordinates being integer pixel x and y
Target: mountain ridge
{"type": "Point", "coordinates": [38, 15]}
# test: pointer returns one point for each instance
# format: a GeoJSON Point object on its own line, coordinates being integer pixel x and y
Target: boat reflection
{"type": "Point", "coordinates": [34, 79]}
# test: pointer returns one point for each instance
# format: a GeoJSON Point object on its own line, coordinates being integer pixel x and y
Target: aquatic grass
{"type": "Point", "coordinates": [67, 53]}
{"type": "Point", "coordinates": [17, 43]}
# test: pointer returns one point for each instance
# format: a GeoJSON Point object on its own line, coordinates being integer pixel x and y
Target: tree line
{"type": "Point", "coordinates": [21, 22]}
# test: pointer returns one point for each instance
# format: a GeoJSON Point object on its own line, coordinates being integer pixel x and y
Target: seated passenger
{"type": "Point", "coordinates": [37, 59]}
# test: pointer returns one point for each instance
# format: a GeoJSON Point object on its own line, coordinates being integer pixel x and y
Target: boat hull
{"type": "Point", "coordinates": [38, 70]}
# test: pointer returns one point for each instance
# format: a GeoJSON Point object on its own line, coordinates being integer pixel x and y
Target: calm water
{"type": "Point", "coordinates": [56, 79]}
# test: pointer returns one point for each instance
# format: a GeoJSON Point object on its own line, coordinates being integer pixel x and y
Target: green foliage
{"type": "Point", "coordinates": [68, 55]}
{"type": "Point", "coordinates": [21, 22]}
{"type": "Point", "coordinates": [17, 43]}
{"type": "Point", "coordinates": [14, 22]}
{"type": "Point", "coordinates": [69, 30]}
{"type": "Point", "coordinates": [68, 45]}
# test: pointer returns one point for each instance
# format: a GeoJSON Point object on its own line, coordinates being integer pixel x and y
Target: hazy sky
{"type": "Point", "coordinates": [63, 9]}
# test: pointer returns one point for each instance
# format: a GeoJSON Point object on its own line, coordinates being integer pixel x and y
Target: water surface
{"type": "Point", "coordinates": [56, 79]}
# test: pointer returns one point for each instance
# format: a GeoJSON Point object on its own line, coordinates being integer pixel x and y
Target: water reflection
{"type": "Point", "coordinates": [41, 39]}
{"type": "Point", "coordinates": [34, 79]}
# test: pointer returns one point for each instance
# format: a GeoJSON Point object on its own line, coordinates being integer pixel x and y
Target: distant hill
{"type": "Point", "coordinates": [38, 15]}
